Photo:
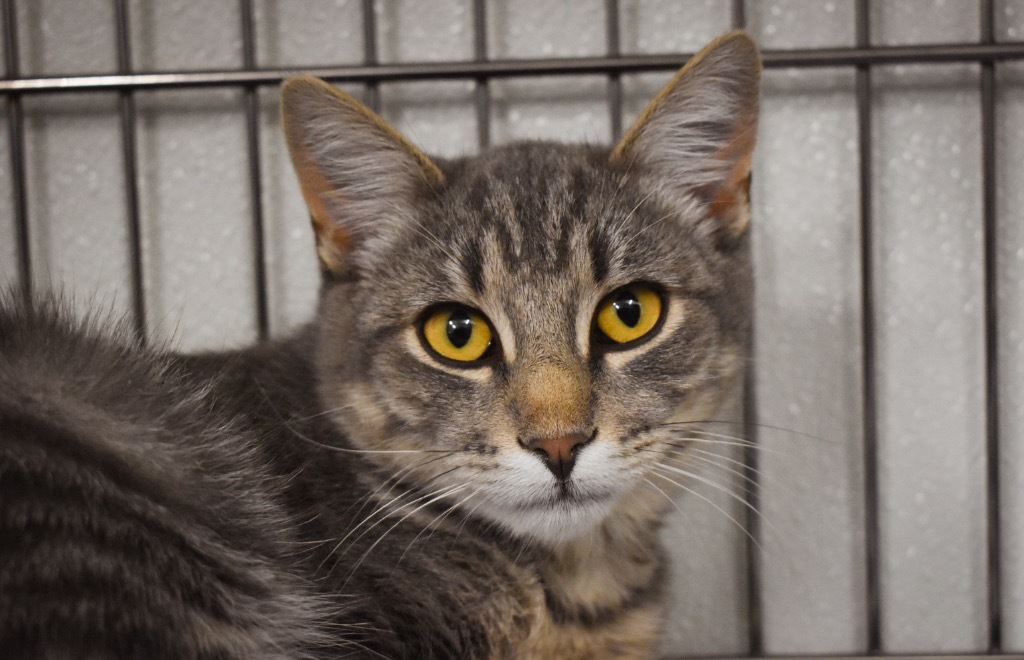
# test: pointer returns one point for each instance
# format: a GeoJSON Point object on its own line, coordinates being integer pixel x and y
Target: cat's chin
{"type": "Point", "coordinates": [553, 522]}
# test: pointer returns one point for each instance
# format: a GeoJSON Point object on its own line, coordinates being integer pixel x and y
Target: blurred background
{"type": "Point", "coordinates": [883, 509]}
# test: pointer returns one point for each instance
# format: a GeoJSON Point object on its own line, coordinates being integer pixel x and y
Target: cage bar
{"type": "Point", "coordinates": [991, 310]}
{"type": "Point", "coordinates": [252, 132]}
{"type": "Point", "coordinates": [126, 101]}
{"type": "Point", "coordinates": [483, 90]}
{"type": "Point", "coordinates": [868, 355]}
{"type": "Point", "coordinates": [16, 138]}
{"type": "Point", "coordinates": [373, 74]}
{"type": "Point", "coordinates": [611, 15]}
{"type": "Point", "coordinates": [370, 57]}
{"type": "Point", "coordinates": [751, 462]}
{"type": "Point", "coordinates": [739, 14]}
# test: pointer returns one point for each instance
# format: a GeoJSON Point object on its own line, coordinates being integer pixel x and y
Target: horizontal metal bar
{"type": "Point", "coordinates": [883, 656]}
{"type": "Point", "coordinates": [815, 57]}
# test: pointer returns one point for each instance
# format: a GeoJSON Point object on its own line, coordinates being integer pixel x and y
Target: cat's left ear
{"type": "Point", "coordinates": [697, 136]}
{"type": "Point", "coordinates": [361, 179]}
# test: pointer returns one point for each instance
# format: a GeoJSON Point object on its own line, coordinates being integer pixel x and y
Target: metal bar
{"type": "Point", "coordinates": [751, 463]}
{"type": "Point", "coordinates": [990, 256]}
{"type": "Point", "coordinates": [16, 138]}
{"type": "Point", "coordinates": [895, 656]}
{"type": "Point", "coordinates": [131, 186]}
{"type": "Point", "coordinates": [739, 14]}
{"type": "Point", "coordinates": [483, 91]}
{"type": "Point", "coordinates": [611, 14]}
{"type": "Point", "coordinates": [370, 56]}
{"type": "Point", "coordinates": [373, 74]}
{"type": "Point", "coordinates": [252, 132]}
{"type": "Point", "coordinates": [870, 409]}
{"type": "Point", "coordinates": [752, 498]}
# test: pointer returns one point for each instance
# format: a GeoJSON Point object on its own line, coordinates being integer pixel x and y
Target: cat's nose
{"type": "Point", "coordinates": [558, 452]}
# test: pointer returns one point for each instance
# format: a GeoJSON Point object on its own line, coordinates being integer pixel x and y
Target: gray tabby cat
{"type": "Point", "coordinates": [452, 460]}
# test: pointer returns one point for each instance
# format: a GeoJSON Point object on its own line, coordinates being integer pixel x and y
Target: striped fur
{"type": "Point", "coordinates": [344, 491]}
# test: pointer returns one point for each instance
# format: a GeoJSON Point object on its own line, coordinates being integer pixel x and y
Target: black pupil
{"type": "Point", "coordinates": [628, 308]}
{"type": "Point", "coordinates": [460, 328]}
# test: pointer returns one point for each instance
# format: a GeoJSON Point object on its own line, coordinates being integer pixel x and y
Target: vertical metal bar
{"type": "Point", "coordinates": [611, 15]}
{"type": "Point", "coordinates": [483, 91]}
{"type": "Point", "coordinates": [751, 462]}
{"type": "Point", "coordinates": [370, 57]}
{"type": "Point", "coordinates": [131, 189]}
{"type": "Point", "coordinates": [739, 14]}
{"type": "Point", "coordinates": [752, 497]}
{"type": "Point", "coordinates": [16, 138]}
{"type": "Point", "coordinates": [990, 256]}
{"type": "Point", "coordinates": [870, 421]}
{"type": "Point", "coordinates": [255, 184]}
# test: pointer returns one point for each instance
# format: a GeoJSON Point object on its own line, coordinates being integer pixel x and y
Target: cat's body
{"type": "Point", "coordinates": [361, 487]}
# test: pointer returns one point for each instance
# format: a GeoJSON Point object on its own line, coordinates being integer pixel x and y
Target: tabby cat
{"type": "Point", "coordinates": [452, 460]}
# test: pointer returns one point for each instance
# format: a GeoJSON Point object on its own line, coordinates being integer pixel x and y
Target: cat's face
{"type": "Point", "coordinates": [512, 332]}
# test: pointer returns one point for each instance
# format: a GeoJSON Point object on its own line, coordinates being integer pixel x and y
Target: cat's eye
{"type": "Point", "coordinates": [628, 314]}
{"type": "Point", "coordinates": [457, 333]}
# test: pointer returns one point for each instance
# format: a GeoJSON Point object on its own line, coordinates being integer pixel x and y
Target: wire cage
{"type": "Point", "coordinates": [862, 59]}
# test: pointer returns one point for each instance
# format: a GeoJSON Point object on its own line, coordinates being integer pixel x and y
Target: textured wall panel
{"type": "Point", "coordinates": [924, 21]}
{"type": "Point", "coordinates": [785, 23]}
{"type": "Point", "coordinates": [1010, 237]}
{"type": "Point", "coordinates": [666, 26]}
{"type": "Point", "coordinates": [930, 350]}
{"type": "Point", "coordinates": [411, 30]}
{"type": "Point", "coordinates": [75, 186]}
{"type": "Point", "coordinates": [568, 109]}
{"type": "Point", "coordinates": [438, 117]}
{"type": "Point", "coordinates": [1009, 20]}
{"type": "Point", "coordinates": [297, 34]}
{"type": "Point", "coordinates": [545, 29]}
{"type": "Point", "coordinates": [196, 212]}
{"type": "Point", "coordinates": [185, 34]}
{"type": "Point", "coordinates": [53, 40]}
{"type": "Point", "coordinates": [809, 364]}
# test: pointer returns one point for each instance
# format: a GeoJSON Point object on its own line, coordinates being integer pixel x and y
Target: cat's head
{"type": "Point", "coordinates": [512, 331]}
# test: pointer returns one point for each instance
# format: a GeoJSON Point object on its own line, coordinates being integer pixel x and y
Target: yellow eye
{"type": "Point", "coordinates": [629, 314]}
{"type": "Point", "coordinates": [457, 333]}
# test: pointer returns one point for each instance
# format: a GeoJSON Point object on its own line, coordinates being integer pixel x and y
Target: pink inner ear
{"type": "Point", "coordinates": [728, 199]}
{"type": "Point", "coordinates": [333, 240]}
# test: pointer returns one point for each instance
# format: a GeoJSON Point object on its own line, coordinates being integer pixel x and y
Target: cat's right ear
{"type": "Point", "coordinates": [360, 178]}
{"type": "Point", "coordinates": [697, 136]}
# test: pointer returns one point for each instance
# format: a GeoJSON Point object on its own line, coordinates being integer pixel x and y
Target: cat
{"type": "Point", "coordinates": [452, 460]}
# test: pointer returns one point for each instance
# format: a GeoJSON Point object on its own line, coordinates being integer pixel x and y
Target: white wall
{"type": "Point", "coordinates": [196, 206]}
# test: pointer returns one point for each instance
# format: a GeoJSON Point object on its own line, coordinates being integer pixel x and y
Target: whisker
{"type": "Point", "coordinates": [432, 525]}
{"type": "Point", "coordinates": [720, 487]}
{"type": "Point", "coordinates": [678, 508]}
{"type": "Point", "coordinates": [715, 506]}
{"type": "Point", "coordinates": [707, 461]}
{"type": "Point", "coordinates": [437, 495]}
{"type": "Point", "coordinates": [809, 436]}
{"type": "Point", "coordinates": [740, 470]}
{"type": "Point", "coordinates": [384, 510]}
{"type": "Point", "coordinates": [391, 481]}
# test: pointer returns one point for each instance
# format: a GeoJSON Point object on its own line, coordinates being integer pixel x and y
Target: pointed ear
{"type": "Point", "coordinates": [697, 136]}
{"type": "Point", "coordinates": [360, 177]}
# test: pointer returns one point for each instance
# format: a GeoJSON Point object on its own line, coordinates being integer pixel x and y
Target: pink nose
{"type": "Point", "coordinates": [559, 452]}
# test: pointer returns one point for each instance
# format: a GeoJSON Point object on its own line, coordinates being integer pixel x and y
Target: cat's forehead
{"type": "Point", "coordinates": [540, 208]}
